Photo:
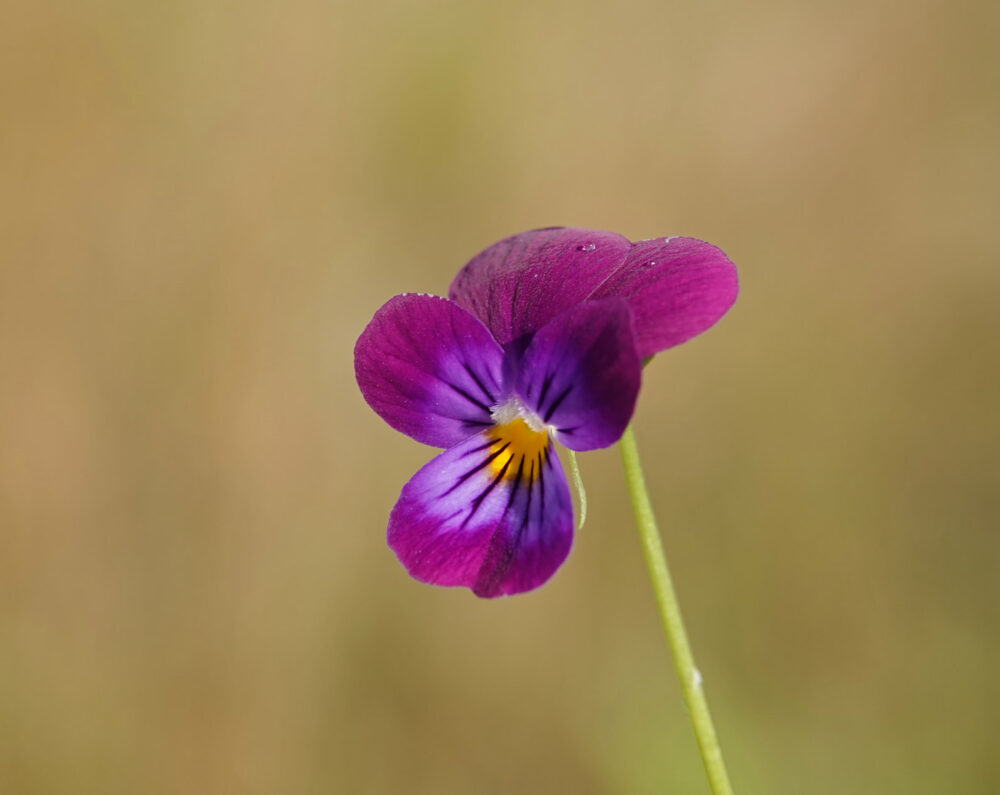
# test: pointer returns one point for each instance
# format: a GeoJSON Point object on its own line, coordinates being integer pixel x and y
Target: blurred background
{"type": "Point", "coordinates": [203, 203]}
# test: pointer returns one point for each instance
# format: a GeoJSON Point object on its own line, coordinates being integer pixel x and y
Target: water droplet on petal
{"type": "Point", "coordinates": [587, 247]}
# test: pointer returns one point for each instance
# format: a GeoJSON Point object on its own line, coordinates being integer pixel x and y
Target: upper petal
{"type": "Point", "coordinates": [486, 515]}
{"type": "Point", "coordinates": [517, 285]}
{"type": "Point", "coordinates": [429, 368]}
{"type": "Point", "coordinates": [581, 374]}
{"type": "Point", "coordinates": [677, 288]}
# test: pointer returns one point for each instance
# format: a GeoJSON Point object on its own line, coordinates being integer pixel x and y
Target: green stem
{"type": "Point", "coordinates": [581, 495]}
{"type": "Point", "coordinates": [691, 681]}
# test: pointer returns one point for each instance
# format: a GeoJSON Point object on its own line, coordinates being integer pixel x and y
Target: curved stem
{"type": "Point", "coordinates": [691, 680]}
{"type": "Point", "coordinates": [581, 494]}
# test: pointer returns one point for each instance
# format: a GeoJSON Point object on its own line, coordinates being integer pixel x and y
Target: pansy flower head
{"type": "Point", "coordinates": [541, 340]}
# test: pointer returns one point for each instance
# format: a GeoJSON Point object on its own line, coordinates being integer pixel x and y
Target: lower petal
{"type": "Point", "coordinates": [486, 515]}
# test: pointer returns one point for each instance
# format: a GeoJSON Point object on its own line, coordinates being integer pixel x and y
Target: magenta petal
{"type": "Point", "coordinates": [581, 374]}
{"type": "Point", "coordinates": [484, 517]}
{"type": "Point", "coordinates": [677, 288]}
{"type": "Point", "coordinates": [518, 285]}
{"type": "Point", "coordinates": [430, 369]}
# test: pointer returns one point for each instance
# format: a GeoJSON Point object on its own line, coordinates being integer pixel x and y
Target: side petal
{"type": "Point", "coordinates": [485, 516]}
{"type": "Point", "coordinates": [518, 285]}
{"type": "Point", "coordinates": [429, 369]}
{"type": "Point", "coordinates": [581, 374]}
{"type": "Point", "coordinates": [677, 288]}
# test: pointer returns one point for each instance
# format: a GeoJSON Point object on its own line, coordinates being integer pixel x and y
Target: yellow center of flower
{"type": "Point", "coordinates": [520, 449]}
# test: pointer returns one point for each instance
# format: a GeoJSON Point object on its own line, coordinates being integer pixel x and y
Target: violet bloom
{"type": "Point", "coordinates": [543, 339]}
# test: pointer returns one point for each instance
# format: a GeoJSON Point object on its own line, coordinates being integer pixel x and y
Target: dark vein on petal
{"type": "Point", "coordinates": [546, 384]}
{"type": "Point", "coordinates": [517, 483]}
{"type": "Point", "coordinates": [541, 489]}
{"type": "Point", "coordinates": [486, 492]}
{"type": "Point", "coordinates": [481, 447]}
{"type": "Point", "coordinates": [531, 490]}
{"type": "Point", "coordinates": [479, 383]}
{"type": "Point", "coordinates": [469, 397]}
{"type": "Point", "coordinates": [527, 507]}
{"type": "Point", "coordinates": [558, 402]}
{"type": "Point", "coordinates": [475, 469]}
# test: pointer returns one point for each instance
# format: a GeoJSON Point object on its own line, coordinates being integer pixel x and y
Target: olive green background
{"type": "Point", "coordinates": [202, 204]}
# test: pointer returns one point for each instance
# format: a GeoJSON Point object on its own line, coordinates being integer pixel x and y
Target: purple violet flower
{"type": "Point", "coordinates": [543, 339]}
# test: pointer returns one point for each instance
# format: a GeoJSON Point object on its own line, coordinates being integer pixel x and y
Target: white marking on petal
{"type": "Point", "coordinates": [514, 409]}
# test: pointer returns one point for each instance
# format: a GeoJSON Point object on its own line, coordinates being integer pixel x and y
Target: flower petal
{"type": "Point", "coordinates": [485, 516]}
{"type": "Point", "coordinates": [518, 285]}
{"type": "Point", "coordinates": [677, 288]}
{"type": "Point", "coordinates": [430, 369]}
{"type": "Point", "coordinates": [581, 374]}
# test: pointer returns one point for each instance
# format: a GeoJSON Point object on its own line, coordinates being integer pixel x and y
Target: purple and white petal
{"type": "Point", "coordinates": [677, 288]}
{"type": "Point", "coordinates": [518, 285]}
{"type": "Point", "coordinates": [486, 516]}
{"type": "Point", "coordinates": [581, 374]}
{"type": "Point", "coordinates": [430, 369]}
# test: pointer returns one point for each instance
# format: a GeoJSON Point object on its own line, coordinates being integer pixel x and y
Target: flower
{"type": "Point", "coordinates": [542, 340]}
